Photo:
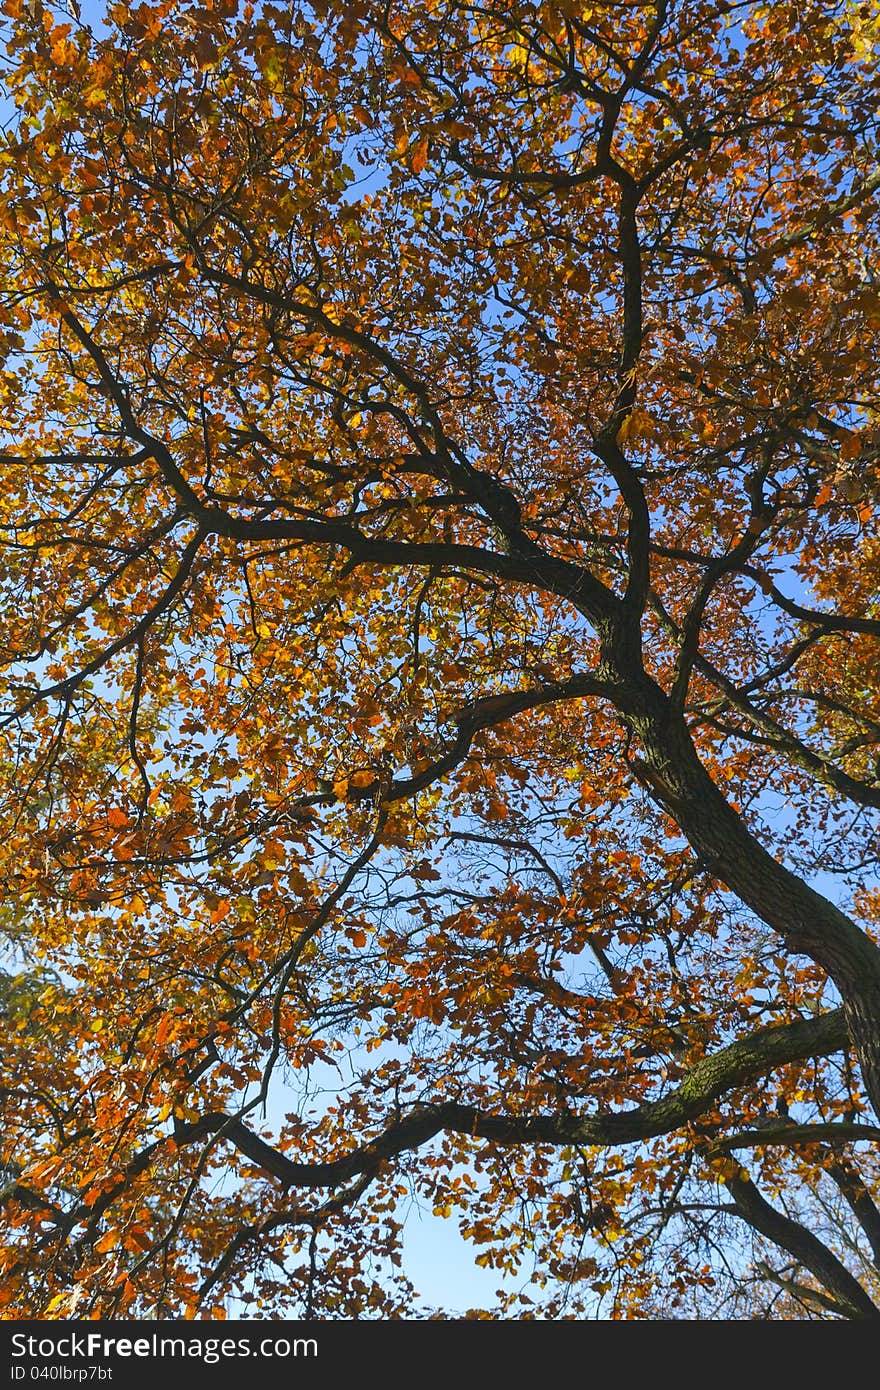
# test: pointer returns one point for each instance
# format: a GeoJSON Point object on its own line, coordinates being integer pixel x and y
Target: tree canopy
{"type": "Point", "coordinates": [439, 632]}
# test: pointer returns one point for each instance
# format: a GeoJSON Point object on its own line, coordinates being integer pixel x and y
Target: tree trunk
{"type": "Point", "coordinates": [807, 922]}
{"type": "Point", "coordinates": [807, 1249]}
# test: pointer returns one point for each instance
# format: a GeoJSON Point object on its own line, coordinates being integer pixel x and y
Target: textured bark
{"type": "Point", "coordinates": [860, 1203]}
{"type": "Point", "coordinates": [704, 1084]}
{"type": "Point", "coordinates": [804, 1247]}
{"type": "Point", "coordinates": [807, 923]}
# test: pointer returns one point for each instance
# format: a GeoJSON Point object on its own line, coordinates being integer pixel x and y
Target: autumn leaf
{"type": "Point", "coordinates": [419, 157]}
{"type": "Point", "coordinates": [440, 726]}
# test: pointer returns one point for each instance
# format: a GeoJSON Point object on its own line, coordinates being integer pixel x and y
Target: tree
{"type": "Point", "coordinates": [439, 631]}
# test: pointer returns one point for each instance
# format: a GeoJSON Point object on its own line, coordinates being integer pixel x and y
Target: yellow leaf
{"type": "Point", "coordinates": [636, 425]}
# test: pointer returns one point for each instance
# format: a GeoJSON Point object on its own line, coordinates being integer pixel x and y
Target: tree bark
{"type": "Point", "coordinates": [808, 923]}
{"type": "Point", "coordinates": [804, 1247]}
